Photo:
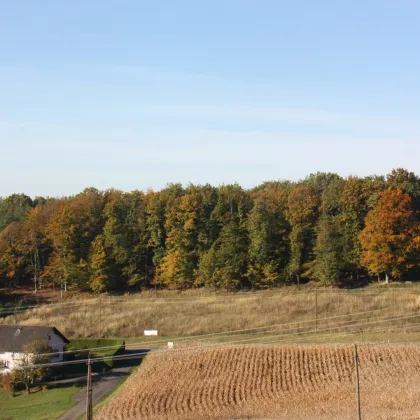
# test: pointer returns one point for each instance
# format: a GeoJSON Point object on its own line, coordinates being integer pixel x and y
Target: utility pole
{"type": "Point", "coordinates": [89, 411]}
{"type": "Point", "coordinates": [316, 309]}
{"type": "Point", "coordinates": [100, 316]}
{"type": "Point", "coordinates": [356, 365]}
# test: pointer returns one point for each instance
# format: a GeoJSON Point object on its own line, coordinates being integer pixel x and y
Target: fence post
{"type": "Point", "coordinates": [356, 365]}
{"type": "Point", "coordinates": [316, 309]}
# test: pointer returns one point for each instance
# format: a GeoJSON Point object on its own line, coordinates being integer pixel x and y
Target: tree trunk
{"type": "Point", "coordinates": [36, 271]}
{"type": "Point", "coordinates": [386, 278]}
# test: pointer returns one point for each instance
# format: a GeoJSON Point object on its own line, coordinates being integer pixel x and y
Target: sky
{"type": "Point", "coordinates": [137, 94]}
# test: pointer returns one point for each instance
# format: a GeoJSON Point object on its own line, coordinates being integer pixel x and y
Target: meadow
{"type": "Point", "coordinates": [281, 353]}
{"type": "Point", "coordinates": [375, 313]}
{"type": "Point", "coordinates": [39, 405]}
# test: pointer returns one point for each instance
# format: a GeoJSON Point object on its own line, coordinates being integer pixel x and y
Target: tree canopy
{"type": "Point", "coordinates": [324, 228]}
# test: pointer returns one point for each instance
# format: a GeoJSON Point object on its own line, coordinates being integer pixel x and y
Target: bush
{"type": "Point", "coordinates": [7, 383]}
{"type": "Point", "coordinates": [80, 348]}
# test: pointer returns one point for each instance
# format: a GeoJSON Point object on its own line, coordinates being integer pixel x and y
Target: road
{"type": "Point", "coordinates": [102, 385]}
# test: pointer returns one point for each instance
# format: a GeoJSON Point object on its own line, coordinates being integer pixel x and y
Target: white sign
{"type": "Point", "coordinates": [170, 345]}
{"type": "Point", "coordinates": [150, 332]}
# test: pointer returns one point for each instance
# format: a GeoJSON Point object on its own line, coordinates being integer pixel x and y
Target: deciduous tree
{"type": "Point", "coordinates": [27, 372]}
{"type": "Point", "coordinates": [301, 214]}
{"type": "Point", "coordinates": [390, 237]}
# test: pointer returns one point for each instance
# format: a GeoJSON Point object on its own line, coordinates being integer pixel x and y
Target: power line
{"type": "Point", "coordinates": [336, 327]}
{"type": "Point", "coordinates": [374, 330]}
{"type": "Point", "coordinates": [325, 329]}
{"type": "Point", "coordinates": [219, 298]}
{"type": "Point", "coordinates": [136, 355]}
{"type": "Point", "coordinates": [221, 333]}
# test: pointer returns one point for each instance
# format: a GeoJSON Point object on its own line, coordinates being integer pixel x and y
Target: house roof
{"type": "Point", "coordinates": [13, 337]}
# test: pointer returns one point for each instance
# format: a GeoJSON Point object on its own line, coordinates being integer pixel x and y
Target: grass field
{"type": "Point", "coordinates": [375, 313]}
{"type": "Point", "coordinates": [41, 405]}
{"type": "Point", "coordinates": [230, 335]}
{"type": "Point", "coordinates": [272, 382]}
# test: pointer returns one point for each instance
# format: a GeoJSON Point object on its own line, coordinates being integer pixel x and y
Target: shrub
{"type": "Point", "coordinates": [80, 348]}
{"type": "Point", "coordinates": [7, 383]}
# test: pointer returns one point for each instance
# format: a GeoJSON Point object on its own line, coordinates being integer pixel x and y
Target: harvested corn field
{"type": "Point", "coordinates": [267, 382]}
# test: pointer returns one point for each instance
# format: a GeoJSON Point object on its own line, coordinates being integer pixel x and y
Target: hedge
{"type": "Point", "coordinates": [79, 348]}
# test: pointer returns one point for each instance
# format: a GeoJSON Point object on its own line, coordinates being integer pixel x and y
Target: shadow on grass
{"type": "Point", "coordinates": [134, 360]}
{"type": "Point", "coordinates": [80, 382]}
{"type": "Point", "coordinates": [65, 381]}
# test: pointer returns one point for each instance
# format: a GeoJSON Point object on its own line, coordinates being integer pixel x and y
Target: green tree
{"type": "Point", "coordinates": [268, 247]}
{"type": "Point", "coordinates": [224, 265]}
{"type": "Point", "coordinates": [155, 219]}
{"type": "Point", "coordinates": [127, 236]}
{"type": "Point", "coordinates": [408, 182]}
{"type": "Point", "coordinates": [328, 251]}
{"type": "Point", "coordinates": [14, 208]}
{"type": "Point", "coordinates": [301, 214]}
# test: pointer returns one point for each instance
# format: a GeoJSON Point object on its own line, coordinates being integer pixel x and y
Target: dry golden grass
{"type": "Point", "coordinates": [266, 382]}
{"type": "Point", "coordinates": [179, 315]}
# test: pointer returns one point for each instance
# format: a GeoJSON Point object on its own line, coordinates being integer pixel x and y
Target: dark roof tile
{"type": "Point", "coordinates": [13, 337]}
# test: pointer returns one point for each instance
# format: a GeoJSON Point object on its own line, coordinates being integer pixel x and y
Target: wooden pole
{"type": "Point", "coordinates": [356, 365]}
{"type": "Point", "coordinates": [89, 412]}
{"type": "Point", "coordinates": [100, 317]}
{"type": "Point", "coordinates": [316, 309]}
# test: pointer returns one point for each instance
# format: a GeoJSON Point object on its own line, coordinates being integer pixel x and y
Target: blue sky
{"type": "Point", "coordinates": [136, 94]}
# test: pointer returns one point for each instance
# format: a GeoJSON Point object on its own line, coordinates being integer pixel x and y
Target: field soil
{"type": "Point", "coordinates": [272, 382]}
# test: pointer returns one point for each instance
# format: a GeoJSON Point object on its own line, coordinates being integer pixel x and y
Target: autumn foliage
{"type": "Point", "coordinates": [390, 237]}
{"type": "Point", "coordinates": [324, 228]}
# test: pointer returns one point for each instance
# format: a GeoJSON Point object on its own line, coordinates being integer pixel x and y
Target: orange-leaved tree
{"type": "Point", "coordinates": [390, 237]}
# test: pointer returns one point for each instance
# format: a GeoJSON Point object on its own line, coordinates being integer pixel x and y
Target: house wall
{"type": "Point", "coordinates": [11, 359]}
{"type": "Point", "coordinates": [57, 344]}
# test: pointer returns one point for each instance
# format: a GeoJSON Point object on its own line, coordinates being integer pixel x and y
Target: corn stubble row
{"type": "Point", "coordinates": [282, 382]}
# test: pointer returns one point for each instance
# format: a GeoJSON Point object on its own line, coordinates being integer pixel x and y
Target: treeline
{"type": "Point", "coordinates": [325, 228]}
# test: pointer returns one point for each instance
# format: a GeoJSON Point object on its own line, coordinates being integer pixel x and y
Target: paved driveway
{"type": "Point", "coordinates": [102, 385]}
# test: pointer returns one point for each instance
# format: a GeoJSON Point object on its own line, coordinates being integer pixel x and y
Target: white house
{"type": "Point", "coordinates": [14, 337]}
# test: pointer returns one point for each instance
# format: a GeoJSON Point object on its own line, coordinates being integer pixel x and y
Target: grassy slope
{"type": "Point", "coordinates": [40, 405]}
{"type": "Point", "coordinates": [177, 314]}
